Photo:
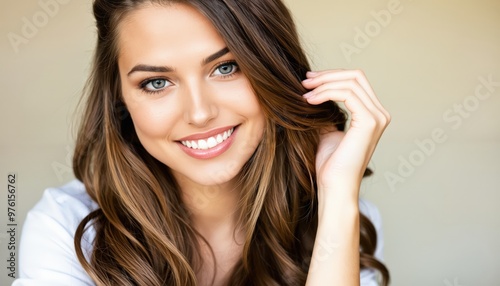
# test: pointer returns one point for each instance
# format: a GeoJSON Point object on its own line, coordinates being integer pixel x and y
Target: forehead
{"type": "Point", "coordinates": [152, 32]}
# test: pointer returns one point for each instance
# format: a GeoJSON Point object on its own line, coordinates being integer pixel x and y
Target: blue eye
{"type": "Point", "coordinates": [154, 85]}
{"type": "Point", "coordinates": [226, 69]}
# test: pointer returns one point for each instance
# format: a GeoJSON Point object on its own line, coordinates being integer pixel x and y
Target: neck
{"type": "Point", "coordinates": [213, 208]}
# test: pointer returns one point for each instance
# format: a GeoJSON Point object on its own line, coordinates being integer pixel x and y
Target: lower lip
{"type": "Point", "coordinates": [211, 152]}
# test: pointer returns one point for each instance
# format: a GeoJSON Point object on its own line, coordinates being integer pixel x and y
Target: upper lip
{"type": "Point", "coordinates": [207, 134]}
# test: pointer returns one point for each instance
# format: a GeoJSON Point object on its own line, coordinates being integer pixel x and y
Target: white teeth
{"type": "Point", "coordinates": [211, 142]}
{"type": "Point", "coordinates": [204, 144]}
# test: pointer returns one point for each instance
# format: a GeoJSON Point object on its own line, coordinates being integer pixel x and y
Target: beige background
{"type": "Point", "coordinates": [437, 180]}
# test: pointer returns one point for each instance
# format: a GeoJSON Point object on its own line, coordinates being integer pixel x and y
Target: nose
{"type": "Point", "coordinates": [200, 106]}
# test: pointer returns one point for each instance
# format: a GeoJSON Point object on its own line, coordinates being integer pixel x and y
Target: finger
{"type": "Point", "coordinates": [353, 103]}
{"type": "Point", "coordinates": [314, 79]}
{"type": "Point", "coordinates": [319, 78]}
{"type": "Point", "coordinates": [357, 91]}
{"type": "Point", "coordinates": [341, 80]}
{"type": "Point", "coordinates": [362, 117]}
{"type": "Point", "coordinates": [363, 81]}
{"type": "Point", "coordinates": [353, 85]}
{"type": "Point", "coordinates": [339, 74]}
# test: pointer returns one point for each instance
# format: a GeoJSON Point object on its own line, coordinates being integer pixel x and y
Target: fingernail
{"type": "Point", "coordinates": [311, 73]}
{"type": "Point", "coordinates": [308, 95]}
{"type": "Point", "coordinates": [307, 80]}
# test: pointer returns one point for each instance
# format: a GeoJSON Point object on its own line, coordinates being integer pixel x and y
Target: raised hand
{"type": "Point", "coordinates": [342, 158]}
{"type": "Point", "coordinates": [340, 163]}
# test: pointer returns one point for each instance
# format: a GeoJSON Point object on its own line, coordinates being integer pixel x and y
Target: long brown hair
{"type": "Point", "coordinates": [143, 231]}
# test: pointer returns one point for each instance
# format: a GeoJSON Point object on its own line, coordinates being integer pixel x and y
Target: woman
{"type": "Point", "coordinates": [210, 154]}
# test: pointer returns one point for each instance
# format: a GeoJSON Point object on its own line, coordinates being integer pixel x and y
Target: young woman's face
{"type": "Point", "coordinates": [192, 108]}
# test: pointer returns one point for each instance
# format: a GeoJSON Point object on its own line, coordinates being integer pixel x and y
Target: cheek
{"type": "Point", "coordinates": [152, 120]}
{"type": "Point", "coordinates": [253, 111]}
{"type": "Point", "coordinates": [241, 98]}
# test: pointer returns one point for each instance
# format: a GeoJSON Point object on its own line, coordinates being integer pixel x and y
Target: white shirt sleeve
{"type": "Point", "coordinates": [46, 254]}
{"type": "Point", "coordinates": [369, 276]}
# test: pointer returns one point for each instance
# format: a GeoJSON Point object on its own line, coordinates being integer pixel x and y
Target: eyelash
{"type": "Point", "coordinates": [233, 63]}
{"type": "Point", "coordinates": [144, 83]}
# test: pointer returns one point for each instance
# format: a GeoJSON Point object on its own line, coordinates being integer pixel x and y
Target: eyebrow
{"type": "Point", "coordinates": [215, 56]}
{"type": "Point", "coordinates": [148, 68]}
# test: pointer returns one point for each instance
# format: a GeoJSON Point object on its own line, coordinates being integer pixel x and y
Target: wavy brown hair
{"type": "Point", "coordinates": [143, 230]}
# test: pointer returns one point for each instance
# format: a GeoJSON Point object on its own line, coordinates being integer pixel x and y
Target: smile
{"type": "Point", "coordinates": [208, 143]}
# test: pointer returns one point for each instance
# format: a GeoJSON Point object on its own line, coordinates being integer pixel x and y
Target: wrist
{"type": "Point", "coordinates": [341, 193]}
{"type": "Point", "coordinates": [339, 207]}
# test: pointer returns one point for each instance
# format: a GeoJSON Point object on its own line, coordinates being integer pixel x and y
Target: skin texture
{"type": "Point", "coordinates": [197, 98]}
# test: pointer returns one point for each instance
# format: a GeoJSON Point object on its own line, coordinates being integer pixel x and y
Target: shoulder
{"type": "Point", "coordinates": [62, 208]}
{"type": "Point", "coordinates": [68, 202]}
{"type": "Point", "coordinates": [46, 254]}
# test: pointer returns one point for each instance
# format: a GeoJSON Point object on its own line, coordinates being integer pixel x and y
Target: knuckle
{"type": "Point", "coordinates": [350, 93]}
{"type": "Point", "coordinates": [352, 83]}
{"type": "Point", "coordinates": [382, 119]}
{"type": "Point", "coordinates": [389, 118]}
{"type": "Point", "coordinates": [359, 73]}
